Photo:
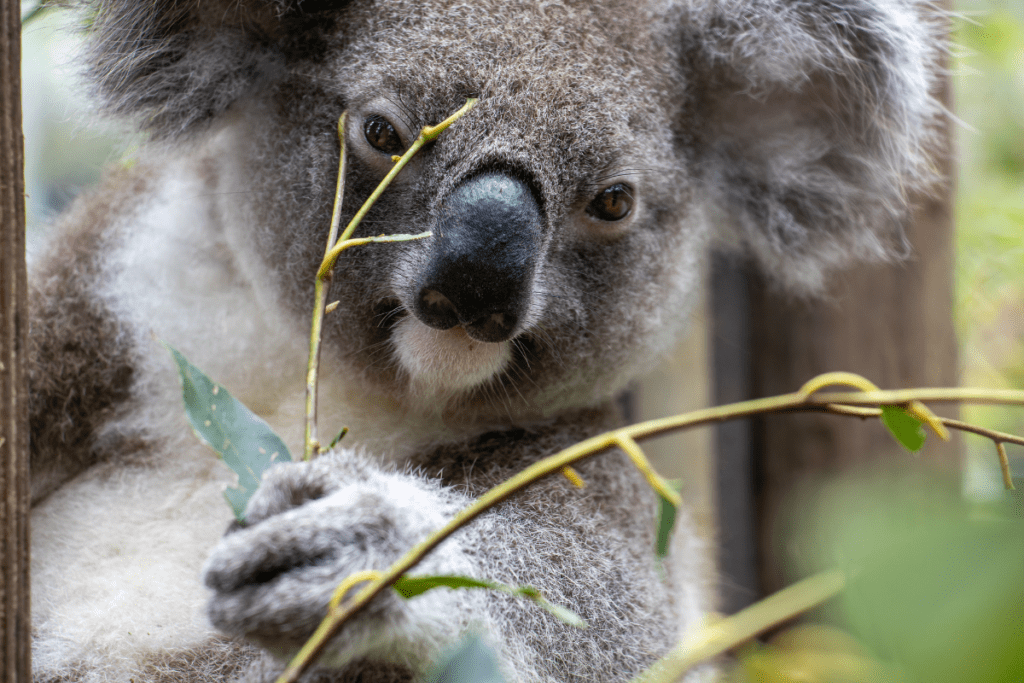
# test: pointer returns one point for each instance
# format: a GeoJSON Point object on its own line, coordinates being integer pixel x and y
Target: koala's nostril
{"type": "Point", "coordinates": [434, 309]}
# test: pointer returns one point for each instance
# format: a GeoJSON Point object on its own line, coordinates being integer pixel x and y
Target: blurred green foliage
{"type": "Point", "coordinates": [989, 85]}
{"type": "Point", "coordinates": [935, 588]}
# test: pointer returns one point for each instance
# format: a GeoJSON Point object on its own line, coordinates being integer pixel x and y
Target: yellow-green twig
{"type": "Point", "coordinates": [900, 397]}
{"type": "Point", "coordinates": [574, 477]}
{"type": "Point", "coordinates": [1004, 465]}
{"type": "Point", "coordinates": [312, 439]}
{"type": "Point", "coordinates": [426, 135]}
{"type": "Point", "coordinates": [337, 244]}
{"type": "Point", "coordinates": [915, 408]}
{"type": "Point", "coordinates": [351, 580]}
{"type": "Point", "coordinates": [654, 480]}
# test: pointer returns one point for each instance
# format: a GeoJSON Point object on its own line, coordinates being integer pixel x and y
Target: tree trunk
{"type": "Point", "coordinates": [14, 586]}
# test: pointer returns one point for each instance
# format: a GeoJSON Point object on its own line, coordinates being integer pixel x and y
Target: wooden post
{"type": "Point", "coordinates": [14, 484]}
{"type": "Point", "coordinates": [893, 324]}
{"type": "Point", "coordinates": [735, 483]}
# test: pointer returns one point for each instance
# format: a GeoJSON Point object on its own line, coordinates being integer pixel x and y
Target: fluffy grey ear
{"type": "Point", "coordinates": [174, 65]}
{"type": "Point", "coordinates": [813, 119]}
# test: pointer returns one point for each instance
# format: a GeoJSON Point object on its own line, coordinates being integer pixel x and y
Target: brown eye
{"type": "Point", "coordinates": [612, 203]}
{"type": "Point", "coordinates": [382, 135]}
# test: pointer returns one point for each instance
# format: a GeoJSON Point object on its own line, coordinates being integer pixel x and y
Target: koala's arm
{"type": "Point", "coordinates": [80, 360]}
{"type": "Point", "coordinates": [591, 550]}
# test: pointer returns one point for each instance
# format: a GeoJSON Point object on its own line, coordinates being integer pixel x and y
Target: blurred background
{"type": "Point", "coordinates": [989, 90]}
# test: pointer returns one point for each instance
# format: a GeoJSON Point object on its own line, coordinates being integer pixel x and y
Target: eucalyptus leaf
{"type": "Point", "coordinates": [666, 520]}
{"type": "Point", "coordinates": [241, 438]}
{"type": "Point", "coordinates": [906, 428]}
{"type": "Point", "coordinates": [411, 586]}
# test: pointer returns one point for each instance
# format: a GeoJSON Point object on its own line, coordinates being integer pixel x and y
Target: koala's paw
{"type": "Point", "coordinates": [308, 527]}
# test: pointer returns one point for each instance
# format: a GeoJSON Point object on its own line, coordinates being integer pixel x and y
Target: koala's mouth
{"type": "Point", "coordinates": [445, 362]}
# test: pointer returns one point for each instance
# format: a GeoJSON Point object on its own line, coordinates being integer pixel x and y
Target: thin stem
{"type": "Point", "coordinates": [981, 431]}
{"type": "Point", "coordinates": [915, 408]}
{"type": "Point", "coordinates": [351, 580]}
{"type": "Point", "coordinates": [1004, 465]}
{"type": "Point", "coordinates": [336, 245]}
{"type": "Point", "coordinates": [339, 187]}
{"type": "Point", "coordinates": [654, 480]}
{"type": "Point", "coordinates": [714, 638]}
{"type": "Point", "coordinates": [320, 287]}
{"type": "Point", "coordinates": [426, 135]}
{"type": "Point", "coordinates": [574, 477]}
{"type": "Point", "coordinates": [904, 396]}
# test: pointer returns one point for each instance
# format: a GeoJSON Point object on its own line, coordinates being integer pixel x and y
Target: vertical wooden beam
{"type": "Point", "coordinates": [735, 483]}
{"type": "Point", "coordinates": [14, 484]}
{"type": "Point", "coordinates": [892, 324]}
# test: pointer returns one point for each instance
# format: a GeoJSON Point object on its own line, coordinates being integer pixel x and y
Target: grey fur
{"type": "Point", "coordinates": [790, 128]}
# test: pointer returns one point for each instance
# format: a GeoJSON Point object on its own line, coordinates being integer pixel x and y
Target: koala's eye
{"type": "Point", "coordinates": [382, 135]}
{"type": "Point", "coordinates": [612, 203]}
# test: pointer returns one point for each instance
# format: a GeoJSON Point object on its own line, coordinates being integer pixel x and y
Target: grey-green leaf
{"type": "Point", "coordinates": [241, 438]}
{"type": "Point", "coordinates": [906, 428]}
{"type": "Point", "coordinates": [411, 586]}
{"type": "Point", "coordinates": [666, 521]}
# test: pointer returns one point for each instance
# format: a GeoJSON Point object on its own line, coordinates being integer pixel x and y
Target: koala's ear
{"type": "Point", "coordinates": [174, 65]}
{"type": "Point", "coordinates": [812, 121]}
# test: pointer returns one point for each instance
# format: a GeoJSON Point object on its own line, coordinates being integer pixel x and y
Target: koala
{"type": "Point", "coordinates": [571, 210]}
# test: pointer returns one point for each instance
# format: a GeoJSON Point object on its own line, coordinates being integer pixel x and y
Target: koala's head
{"type": "Point", "coordinates": [571, 208]}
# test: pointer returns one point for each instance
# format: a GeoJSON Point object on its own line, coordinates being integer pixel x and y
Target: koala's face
{"type": "Point", "coordinates": [570, 208]}
{"type": "Point", "coordinates": [565, 239]}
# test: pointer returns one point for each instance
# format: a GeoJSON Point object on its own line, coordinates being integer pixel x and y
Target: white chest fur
{"type": "Point", "coordinates": [117, 552]}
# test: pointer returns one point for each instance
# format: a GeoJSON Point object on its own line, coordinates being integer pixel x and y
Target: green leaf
{"type": "Point", "coordinates": [471, 661]}
{"type": "Point", "coordinates": [906, 428]}
{"type": "Point", "coordinates": [411, 586]}
{"type": "Point", "coordinates": [242, 439]}
{"type": "Point", "coordinates": [666, 520]}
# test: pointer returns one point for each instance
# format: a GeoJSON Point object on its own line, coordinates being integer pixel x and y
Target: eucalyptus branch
{"type": "Point", "coordinates": [312, 440]}
{"type": "Point", "coordinates": [336, 245]}
{"type": "Point", "coordinates": [428, 134]}
{"type": "Point", "coordinates": [998, 438]}
{"type": "Point", "coordinates": [900, 397]}
{"type": "Point", "coordinates": [805, 399]}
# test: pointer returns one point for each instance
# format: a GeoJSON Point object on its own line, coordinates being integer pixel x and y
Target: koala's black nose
{"type": "Point", "coordinates": [485, 247]}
